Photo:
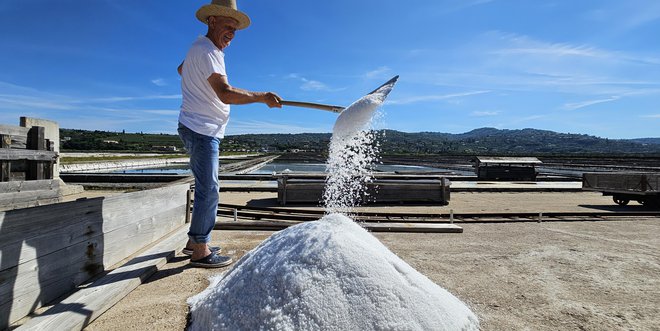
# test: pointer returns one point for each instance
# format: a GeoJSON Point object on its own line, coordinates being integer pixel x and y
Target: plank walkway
{"type": "Point", "coordinates": [84, 306]}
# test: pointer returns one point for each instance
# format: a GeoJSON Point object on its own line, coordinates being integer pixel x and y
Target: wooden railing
{"type": "Point", "coordinates": [25, 154]}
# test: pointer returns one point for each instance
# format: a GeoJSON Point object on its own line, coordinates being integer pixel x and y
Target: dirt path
{"type": "Point", "coordinates": [515, 276]}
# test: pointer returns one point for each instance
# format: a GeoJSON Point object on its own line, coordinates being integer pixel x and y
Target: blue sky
{"type": "Point", "coordinates": [588, 66]}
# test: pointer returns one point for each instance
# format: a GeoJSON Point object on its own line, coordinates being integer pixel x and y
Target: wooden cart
{"type": "Point", "coordinates": [625, 186]}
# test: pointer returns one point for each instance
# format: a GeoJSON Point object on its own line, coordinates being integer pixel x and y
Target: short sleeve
{"type": "Point", "coordinates": [214, 62]}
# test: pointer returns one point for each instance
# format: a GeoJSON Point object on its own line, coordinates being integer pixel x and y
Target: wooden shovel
{"type": "Point", "coordinates": [334, 109]}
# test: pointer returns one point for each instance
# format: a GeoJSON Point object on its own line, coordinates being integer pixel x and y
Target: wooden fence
{"type": "Point", "coordinates": [47, 251]}
{"type": "Point", "coordinates": [25, 153]}
{"type": "Point", "coordinates": [28, 158]}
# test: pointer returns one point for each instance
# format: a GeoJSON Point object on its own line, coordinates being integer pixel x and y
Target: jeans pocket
{"type": "Point", "coordinates": [186, 137]}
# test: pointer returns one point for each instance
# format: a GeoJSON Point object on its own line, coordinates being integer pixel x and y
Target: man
{"type": "Point", "coordinates": [204, 114]}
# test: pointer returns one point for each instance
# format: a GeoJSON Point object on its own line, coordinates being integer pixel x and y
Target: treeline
{"type": "Point", "coordinates": [485, 141]}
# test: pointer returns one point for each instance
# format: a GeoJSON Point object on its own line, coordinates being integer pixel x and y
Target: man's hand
{"type": "Point", "coordinates": [235, 96]}
{"type": "Point", "coordinates": [272, 100]}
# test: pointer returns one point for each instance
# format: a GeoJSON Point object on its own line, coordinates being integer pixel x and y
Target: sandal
{"type": "Point", "coordinates": [212, 261]}
{"type": "Point", "coordinates": [213, 249]}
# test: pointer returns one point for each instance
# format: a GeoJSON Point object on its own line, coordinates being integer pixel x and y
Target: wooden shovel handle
{"type": "Point", "coordinates": [334, 109]}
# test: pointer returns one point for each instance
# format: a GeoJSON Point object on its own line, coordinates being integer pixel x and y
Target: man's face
{"type": "Point", "coordinates": [222, 30]}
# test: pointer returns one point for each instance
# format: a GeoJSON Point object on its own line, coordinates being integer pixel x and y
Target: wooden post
{"type": "Point", "coordinates": [189, 194]}
{"type": "Point", "coordinates": [5, 166]}
{"type": "Point", "coordinates": [35, 141]}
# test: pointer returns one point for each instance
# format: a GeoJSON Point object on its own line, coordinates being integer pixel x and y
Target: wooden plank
{"type": "Point", "coordinates": [84, 306]}
{"type": "Point", "coordinates": [118, 210]}
{"type": "Point", "coordinates": [26, 154]}
{"type": "Point", "coordinates": [380, 190]}
{"type": "Point", "coordinates": [48, 225]}
{"type": "Point", "coordinates": [39, 281]}
{"type": "Point", "coordinates": [55, 262]}
{"type": "Point", "coordinates": [16, 198]}
{"type": "Point", "coordinates": [36, 136]}
{"type": "Point", "coordinates": [13, 130]}
{"type": "Point", "coordinates": [18, 142]}
{"type": "Point", "coordinates": [79, 262]}
{"type": "Point", "coordinates": [374, 227]}
{"type": "Point", "coordinates": [32, 185]}
{"type": "Point", "coordinates": [412, 227]}
{"type": "Point", "coordinates": [5, 166]}
{"type": "Point", "coordinates": [18, 250]}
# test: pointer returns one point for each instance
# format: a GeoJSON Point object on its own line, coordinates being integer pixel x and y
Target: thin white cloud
{"type": "Point", "coordinates": [578, 105]}
{"type": "Point", "coordinates": [378, 72]}
{"type": "Point", "coordinates": [243, 127]}
{"type": "Point", "coordinates": [516, 44]}
{"type": "Point", "coordinates": [313, 85]}
{"type": "Point", "coordinates": [651, 116]}
{"type": "Point", "coordinates": [159, 82]}
{"type": "Point", "coordinates": [133, 98]}
{"type": "Point", "coordinates": [310, 84]}
{"type": "Point", "coordinates": [426, 98]}
{"type": "Point", "coordinates": [166, 112]}
{"type": "Point", "coordinates": [456, 5]}
{"type": "Point", "coordinates": [28, 102]}
{"type": "Point", "coordinates": [623, 16]}
{"type": "Point", "coordinates": [484, 113]}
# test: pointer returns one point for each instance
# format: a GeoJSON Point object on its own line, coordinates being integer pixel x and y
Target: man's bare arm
{"type": "Point", "coordinates": [236, 96]}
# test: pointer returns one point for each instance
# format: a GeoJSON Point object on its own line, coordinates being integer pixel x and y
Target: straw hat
{"type": "Point", "coordinates": [225, 8]}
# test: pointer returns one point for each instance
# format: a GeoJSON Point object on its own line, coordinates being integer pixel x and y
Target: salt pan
{"type": "Point", "coordinates": [326, 275]}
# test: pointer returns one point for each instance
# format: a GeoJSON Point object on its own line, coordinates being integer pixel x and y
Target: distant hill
{"type": "Point", "coordinates": [489, 141]}
{"type": "Point", "coordinates": [654, 141]}
{"type": "Point", "coordinates": [510, 142]}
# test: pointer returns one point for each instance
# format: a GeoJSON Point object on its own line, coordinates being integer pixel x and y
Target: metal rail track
{"type": "Point", "coordinates": [240, 212]}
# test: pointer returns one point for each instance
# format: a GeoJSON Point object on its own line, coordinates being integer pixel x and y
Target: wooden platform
{"type": "Point", "coordinates": [370, 226]}
{"type": "Point", "coordinates": [434, 191]}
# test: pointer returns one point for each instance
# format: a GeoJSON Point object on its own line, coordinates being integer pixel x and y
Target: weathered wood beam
{"type": "Point", "coordinates": [47, 251]}
{"type": "Point", "coordinates": [84, 306]}
{"type": "Point", "coordinates": [25, 154]}
{"type": "Point", "coordinates": [5, 166]}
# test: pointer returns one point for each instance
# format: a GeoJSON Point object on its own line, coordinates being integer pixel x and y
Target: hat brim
{"type": "Point", "coordinates": [205, 11]}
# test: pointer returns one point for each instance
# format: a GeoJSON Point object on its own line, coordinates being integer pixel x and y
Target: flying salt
{"type": "Point", "coordinates": [352, 152]}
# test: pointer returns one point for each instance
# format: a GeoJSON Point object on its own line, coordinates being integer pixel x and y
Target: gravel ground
{"type": "Point", "coordinates": [515, 276]}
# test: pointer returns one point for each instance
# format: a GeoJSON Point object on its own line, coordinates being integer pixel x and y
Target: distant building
{"type": "Point", "coordinates": [506, 168]}
{"type": "Point", "coordinates": [111, 142]}
{"type": "Point", "coordinates": [170, 148]}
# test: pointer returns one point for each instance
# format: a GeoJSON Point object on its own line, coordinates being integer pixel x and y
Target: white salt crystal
{"type": "Point", "coordinates": [326, 275]}
{"type": "Point", "coordinates": [352, 154]}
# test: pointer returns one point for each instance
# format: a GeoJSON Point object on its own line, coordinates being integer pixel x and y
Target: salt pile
{"type": "Point", "coordinates": [326, 275]}
{"type": "Point", "coordinates": [331, 274]}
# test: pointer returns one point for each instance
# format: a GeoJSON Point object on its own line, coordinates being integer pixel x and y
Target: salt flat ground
{"type": "Point", "coordinates": [515, 276]}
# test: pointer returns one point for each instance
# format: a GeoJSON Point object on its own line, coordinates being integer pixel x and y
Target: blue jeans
{"type": "Point", "coordinates": [204, 163]}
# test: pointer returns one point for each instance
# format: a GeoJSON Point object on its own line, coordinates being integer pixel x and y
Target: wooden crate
{"type": "Point", "coordinates": [622, 182]}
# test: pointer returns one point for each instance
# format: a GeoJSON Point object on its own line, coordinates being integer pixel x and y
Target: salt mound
{"type": "Point", "coordinates": [326, 275]}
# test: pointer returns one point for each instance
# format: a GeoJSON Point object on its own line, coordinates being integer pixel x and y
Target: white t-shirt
{"type": "Point", "coordinates": [201, 110]}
